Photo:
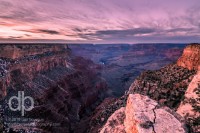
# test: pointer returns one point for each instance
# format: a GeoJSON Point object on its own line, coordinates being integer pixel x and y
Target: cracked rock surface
{"type": "Point", "coordinates": [115, 122]}
{"type": "Point", "coordinates": [144, 115]}
{"type": "Point", "coordinates": [190, 106]}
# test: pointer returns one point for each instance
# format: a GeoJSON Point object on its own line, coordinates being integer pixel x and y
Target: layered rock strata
{"type": "Point", "coordinates": [63, 86]}
{"type": "Point", "coordinates": [190, 58]}
{"type": "Point", "coordinates": [169, 86]}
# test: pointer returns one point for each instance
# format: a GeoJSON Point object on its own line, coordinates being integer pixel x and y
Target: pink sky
{"type": "Point", "coordinates": [100, 21]}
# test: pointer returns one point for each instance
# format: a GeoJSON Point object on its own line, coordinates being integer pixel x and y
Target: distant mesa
{"type": "Point", "coordinates": [12, 51]}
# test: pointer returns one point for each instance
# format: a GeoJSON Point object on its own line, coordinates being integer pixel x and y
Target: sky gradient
{"type": "Point", "coordinates": [100, 21]}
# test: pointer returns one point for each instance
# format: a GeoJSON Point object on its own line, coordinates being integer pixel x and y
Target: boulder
{"type": "Point", "coordinates": [144, 115]}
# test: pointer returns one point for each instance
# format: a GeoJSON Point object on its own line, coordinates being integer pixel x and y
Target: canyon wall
{"type": "Point", "coordinates": [63, 86]}
{"type": "Point", "coordinates": [166, 85]}
{"type": "Point", "coordinates": [190, 105]}
{"type": "Point", "coordinates": [167, 89]}
{"type": "Point", "coordinates": [66, 88]}
{"type": "Point", "coordinates": [20, 50]}
{"type": "Point", "coordinates": [190, 58]}
{"type": "Point", "coordinates": [176, 86]}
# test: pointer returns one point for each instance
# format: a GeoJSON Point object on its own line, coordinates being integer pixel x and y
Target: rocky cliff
{"type": "Point", "coordinates": [166, 88]}
{"type": "Point", "coordinates": [190, 58]}
{"type": "Point", "coordinates": [190, 105]}
{"type": "Point", "coordinates": [166, 85]}
{"type": "Point", "coordinates": [176, 86]}
{"type": "Point", "coordinates": [144, 115]}
{"type": "Point", "coordinates": [66, 88]}
{"type": "Point", "coordinates": [63, 86]}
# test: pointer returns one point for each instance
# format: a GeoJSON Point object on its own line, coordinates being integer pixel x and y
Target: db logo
{"type": "Point", "coordinates": [21, 103]}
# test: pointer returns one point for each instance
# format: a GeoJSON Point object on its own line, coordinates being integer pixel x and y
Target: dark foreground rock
{"type": "Point", "coordinates": [167, 85]}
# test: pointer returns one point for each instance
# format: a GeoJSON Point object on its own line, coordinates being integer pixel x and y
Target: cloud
{"type": "Point", "coordinates": [43, 31]}
{"type": "Point", "coordinates": [180, 30]}
{"type": "Point", "coordinates": [100, 20]}
{"type": "Point", "coordinates": [136, 31]}
{"type": "Point", "coordinates": [115, 34]}
{"type": "Point", "coordinates": [15, 37]}
{"type": "Point", "coordinates": [21, 14]}
{"type": "Point", "coordinates": [52, 32]}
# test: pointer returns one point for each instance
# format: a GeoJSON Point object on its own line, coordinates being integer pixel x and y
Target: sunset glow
{"type": "Point", "coordinates": [100, 21]}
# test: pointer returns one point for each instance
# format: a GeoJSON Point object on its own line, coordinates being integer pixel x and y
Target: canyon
{"type": "Point", "coordinates": [81, 88]}
{"type": "Point", "coordinates": [175, 86]}
{"type": "Point", "coordinates": [63, 86]}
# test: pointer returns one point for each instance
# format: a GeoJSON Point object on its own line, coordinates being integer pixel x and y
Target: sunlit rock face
{"type": "Point", "coordinates": [190, 106]}
{"type": "Point", "coordinates": [190, 58]}
{"type": "Point", "coordinates": [115, 123]}
{"type": "Point", "coordinates": [144, 115]}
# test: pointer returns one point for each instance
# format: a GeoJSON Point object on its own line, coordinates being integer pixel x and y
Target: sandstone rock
{"type": "Point", "coordinates": [115, 122]}
{"type": "Point", "coordinates": [143, 115]}
{"type": "Point", "coordinates": [105, 110]}
{"type": "Point", "coordinates": [189, 107]}
{"type": "Point", "coordinates": [190, 58]}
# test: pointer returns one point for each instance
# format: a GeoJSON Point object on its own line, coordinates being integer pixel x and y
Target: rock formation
{"type": "Point", "coordinates": [66, 88]}
{"type": "Point", "coordinates": [115, 123]}
{"type": "Point", "coordinates": [63, 86]}
{"type": "Point", "coordinates": [144, 115]}
{"type": "Point", "coordinates": [104, 111]}
{"type": "Point", "coordinates": [190, 106]}
{"type": "Point", "coordinates": [168, 86]}
{"type": "Point", "coordinates": [190, 58]}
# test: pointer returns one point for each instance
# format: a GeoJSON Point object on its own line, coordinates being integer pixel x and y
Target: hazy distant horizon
{"type": "Point", "coordinates": [99, 43]}
{"type": "Point", "coordinates": [87, 43]}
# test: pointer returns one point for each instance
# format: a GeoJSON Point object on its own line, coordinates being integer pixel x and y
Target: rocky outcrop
{"type": "Point", "coordinates": [104, 111]}
{"type": "Point", "coordinates": [190, 58]}
{"type": "Point", "coordinates": [167, 85]}
{"type": "Point", "coordinates": [115, 123]}
{"type": "Point", "coordinates": [167, 88]}
{"type": "Point", "coordinates": [190, 106]}
{"type": "Point", "coordinates": [63, 86]}
{"type": "Point", "coordinates": [13, 51]}
{"type": "Point", "coordinates": [144, 115]}
{"type": "Point", "coordinates": [175, 85]}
